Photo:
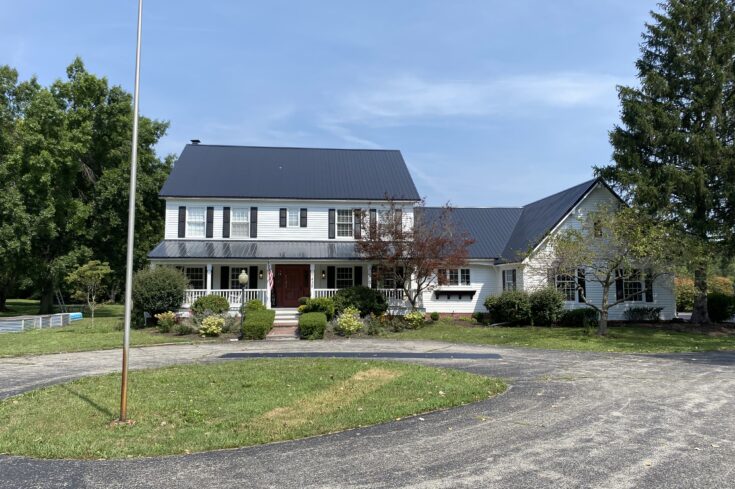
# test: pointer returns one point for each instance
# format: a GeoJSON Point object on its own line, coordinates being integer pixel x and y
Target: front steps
{"type": "Point", "coordinates": [285, 325]}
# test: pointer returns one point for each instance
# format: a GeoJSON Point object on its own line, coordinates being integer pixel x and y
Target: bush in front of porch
{"type": "Point", "coordinates": [312, 325]}
{"type": "Point", "coordinates": [257, 324]}
{"type": "Point", "coordinates": [157, 290]}
{"type": "Point", "coordinates": [366, 300]}
{"type": "Point", "coordinates": [214, 304]}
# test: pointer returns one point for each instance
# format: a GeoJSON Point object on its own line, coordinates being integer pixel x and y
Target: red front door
{"type": "Point", "coordinates": [291, 283]}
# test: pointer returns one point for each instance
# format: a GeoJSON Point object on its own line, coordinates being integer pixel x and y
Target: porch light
{"type": "Point", "coordinates": [324, 274]}
{"type": "Point", "coordinates": [243, 278]}
{"type": "Point", "coordinates": [260, 274]}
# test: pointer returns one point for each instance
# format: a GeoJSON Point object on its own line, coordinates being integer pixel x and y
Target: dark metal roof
{"type": "Point", "coordinates": [289, 173]}
{"type": "Point", "coordinates": [489, 227]}
{"type": "Point", "coordinates": [248, 250]}
{"type": "Point", "coordinates": [540, 217]}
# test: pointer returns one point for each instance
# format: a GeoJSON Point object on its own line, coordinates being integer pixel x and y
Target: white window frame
{"type": "Point", "coordinates": [509, 283]}
{"type": "Point", "coordinates": [246, 221]}
{"type": "Point", "coordinates": [465, 272]}
{"type": "Point", "coordinates": [351, 223]}
{"type": "Point", "coordinates": [344, 279]}
{"type": "Point", "coordinates": [293, 213]}
{"type": "Point", "coordinates": [190, 221]}
{"type": "Point", "coordinates": [454, 277]}
{"type": "Point", "coordinates": [566, 283]}
{"type": "Point", "coordinates": [633, 287]}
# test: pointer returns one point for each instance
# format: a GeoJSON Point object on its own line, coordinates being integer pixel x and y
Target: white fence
{"type": "Point", "coordinates": [25, 323]}
{"type": "Point", "coordinates": [233, 296]}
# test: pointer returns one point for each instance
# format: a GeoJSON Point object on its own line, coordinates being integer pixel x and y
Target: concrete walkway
{"type": "Point", "coordinates": [570, 419]}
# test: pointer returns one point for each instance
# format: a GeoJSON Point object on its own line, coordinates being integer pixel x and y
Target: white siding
{"type": "Point", "coordinates": [268, 218]}
{"type": "Point", "coordinates": [484, 279]}
{"type": "Point", "coordinates": [534, 276]}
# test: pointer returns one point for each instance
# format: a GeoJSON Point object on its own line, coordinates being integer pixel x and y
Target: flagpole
{"type": "Point", "coordinates": [131, 228]}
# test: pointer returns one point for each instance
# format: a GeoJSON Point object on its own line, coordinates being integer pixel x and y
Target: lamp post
{"type": "Point", "coordinates": [243, 279]}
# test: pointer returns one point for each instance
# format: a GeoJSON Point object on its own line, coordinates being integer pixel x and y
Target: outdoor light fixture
{"type": "Point", "coordinates": [260, 274]}
{"type": "Point", "coordinates": [243, 279]}
{"type": "Point", "coordinates": [324, 275]}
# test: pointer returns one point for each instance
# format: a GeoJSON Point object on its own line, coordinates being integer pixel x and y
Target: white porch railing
{"type": "Point", "coordinates": [319, 293]}
{"type": "Point", "coordinates": [391, 295]}
{"type": "Point", "coordinates": [233, 296]}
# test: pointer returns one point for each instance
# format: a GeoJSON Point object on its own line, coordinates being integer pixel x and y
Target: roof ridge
{"type": "Point", "coordinates": [587, 183]}
{"type": "Point", "coordinates": [292, 147]}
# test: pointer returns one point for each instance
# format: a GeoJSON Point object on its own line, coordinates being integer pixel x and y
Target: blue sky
{"type": "Point", "coordinates": [492, 103]}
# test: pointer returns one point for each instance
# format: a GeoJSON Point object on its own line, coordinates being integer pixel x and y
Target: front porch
{"type": "Point", "coordinates": [290, 281]}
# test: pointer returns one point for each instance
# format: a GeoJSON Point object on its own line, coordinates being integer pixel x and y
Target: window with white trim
{"type": "Point", "coordinates": [454, 276]}
{"type": "Point", "coordinates": [566, 283]}
{"type": "Point", "coordinates": [464, 276]}
{"type": "Point", "coordinates": [633, 286]}
{"type": "Point", "coordinates": [235, 277]}
{"type": "Point", "coordinates": [293, 218]}
{"type": "Point", "coordinates": [345, 223]}
{"type": "Point", "coordinates": [195, 275]}
{"type": "Point", "coordinates": [344, 277]}
{"type": "Point", "coordinates": [240, 222]}
{"type": "Point", "coordinates": [195, 223]}
{"type": "Point", "coordinates": [509, 282]}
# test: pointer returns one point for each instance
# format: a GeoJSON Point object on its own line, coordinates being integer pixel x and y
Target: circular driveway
{"type": "Point", "coordinates": [569, 419]}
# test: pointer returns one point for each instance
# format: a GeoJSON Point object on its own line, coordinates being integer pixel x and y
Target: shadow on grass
{"type": "Point", "coordinates": [88, 400]}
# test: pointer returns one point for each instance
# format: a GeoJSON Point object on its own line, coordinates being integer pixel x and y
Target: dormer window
{"type": "Point", "coordinates": [195, 224]}
{"type": "Point", "coordinates": [345, 224]}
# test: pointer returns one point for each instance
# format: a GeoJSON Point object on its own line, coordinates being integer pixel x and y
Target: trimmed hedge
{"type": "Point", "coordinates": [364, 299]}
{"type": "Point", "coordinates": [579, 318]}
{"type": "Point", "coordinates": [547, 306]}
{"type": "Point", "coordinates": [257, 324]}
{"type": "Point", "coordinates": [644, 314]}
{"type": "Point", "coordinates": [312, 325]}
{"type": "Point", "coordinates": [721, 307]}
{"type": "Point", "coordinates": [321, 304]}
{"type": "Point", "coordinates": [511, 306]}
{"type": "Point", "coordinates": [254, 305]}
{"type": "Point", "coordinates": [214, 303]}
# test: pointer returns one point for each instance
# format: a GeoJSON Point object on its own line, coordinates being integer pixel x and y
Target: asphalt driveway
{"type": "Point", "coordinates": [570, 419]}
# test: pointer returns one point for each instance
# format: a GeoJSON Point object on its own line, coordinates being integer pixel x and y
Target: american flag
{"type": "Point", "coordinates": [270, 276]}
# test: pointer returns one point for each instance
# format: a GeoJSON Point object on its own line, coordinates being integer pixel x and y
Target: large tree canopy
{"type": "Point", "coordinates": [674, 153]}
{"type": "Point", "coordinates": [64, 166]}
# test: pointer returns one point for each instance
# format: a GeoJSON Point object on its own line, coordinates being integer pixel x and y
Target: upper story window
{"type": "Point", "coordinates": [345, 224]}
{"type": "Point", "coordinates": [293, 218]}
{"type": "Point", "coordinates": [195, 223]}
{"type": "Point", "coordinates": [454, 276]}
{"type": "Point", "coordinates": [240, 222]}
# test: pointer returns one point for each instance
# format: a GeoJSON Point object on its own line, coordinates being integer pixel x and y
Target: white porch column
{"type": "Point", "coordinates": [209, 278]}
{"type": "Point", "coordinates": [267, 287]}
{"type": "Point", "coordinates": [311, 280]}
{"type": "Point", "coordinates": [370, 275]}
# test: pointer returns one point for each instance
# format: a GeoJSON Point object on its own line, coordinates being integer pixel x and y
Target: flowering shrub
{"type": "Point", "coordinates": [349, 322]}
{"type": "Point", "coordinates": [212, 326]}
{"type": "Point", "coordinates": [415, 319]}
{"type": "Point", "coordinates": [166, 321]}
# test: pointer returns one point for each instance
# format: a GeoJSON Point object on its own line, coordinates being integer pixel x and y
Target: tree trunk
{"type": "Point", "coordinates": [700, 314]}
{"type": "Point", "coordinates": [602, 324]}
{"type": "Point", "coordinates": [47, 301]}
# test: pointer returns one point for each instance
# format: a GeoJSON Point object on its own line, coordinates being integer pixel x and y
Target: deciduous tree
{"type": "Point", "coordinates": [88, 282]}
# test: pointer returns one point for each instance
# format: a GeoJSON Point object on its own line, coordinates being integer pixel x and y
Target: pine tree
{"type": "Point", "coordinates": [674, 152]}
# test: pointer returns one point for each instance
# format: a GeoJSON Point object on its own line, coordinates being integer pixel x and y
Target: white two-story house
{"type": "Point", "coordinates": [290, 217]}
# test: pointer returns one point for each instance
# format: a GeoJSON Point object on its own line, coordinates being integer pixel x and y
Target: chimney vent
{"type": "Point", "coordinates": [195, 141]}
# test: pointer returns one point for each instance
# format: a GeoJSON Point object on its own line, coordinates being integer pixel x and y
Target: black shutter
{"type": "Point", "coordinates": [503, 280]}
{"type": "Point", "coordinates": [619, 294]}
{"type": "Point", "coordinates": [182, 221]}
{"type": "Point", "coordinates": [399, 278]}
{"type": "Point", "coordinates": [649, 285]}
{"type": "Point", "coordinates": [373, 277]}
{"type": "Point", "coordinates": [253, 222]}
{"type": "Point", "coordinates": [302, 218]}
{"type": "Point", "coordinates": [225, 222]}
{"type": "Point", "coordinates": [358, 224]}
{"type": "Point", "coordinates": [210, 222]}
{"type": "Point", "coordinates": [282, 218]}
{"type": "Point", "coordinates": [373, 223]}
{"type": "Point", "coordinates": [253, 279]}
{"type": "Point", "coordinates": [332, 224]}
{"type": "Point", "coordinates": [515, 285]}
{"type": "Point", "coordinates": [399, 221]}
{"type": "Point", "coordinates": [331, 277]}
{"type": "Point", "coordinates": [358, 276]}
{"type": "Point", "coordinates": [581, 285]}
{"type": "Point", "coordinates": [224, 277]}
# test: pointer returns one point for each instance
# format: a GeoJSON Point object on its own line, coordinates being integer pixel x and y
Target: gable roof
{"type": "Point", "coordinates": [506, 234]}
{"type": "Point", "coordinates": [212, 171]}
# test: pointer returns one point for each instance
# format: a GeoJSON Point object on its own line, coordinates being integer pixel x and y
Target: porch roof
{"type": "Point", "coordinates": [248, 250]}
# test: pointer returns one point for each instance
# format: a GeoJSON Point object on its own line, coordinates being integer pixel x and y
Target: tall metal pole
{"type": "Point", "coordinates": [131, 228]}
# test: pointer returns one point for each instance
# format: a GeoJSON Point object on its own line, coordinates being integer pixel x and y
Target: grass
{"type": "Point", "coordinates": [194, 408]}
{"type": "Point", "coordinates": [632, 339]}
{"type": "Point", "coordinates": [79, 335]}
{"type": "Point", "coordinates": [29, 307]}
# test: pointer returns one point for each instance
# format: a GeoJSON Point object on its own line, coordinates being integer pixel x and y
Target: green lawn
{"type": "Point", "coordinates": [195, 408]}
{"type": "Point", "coordinates": [620, 339]}
{"type": "Point", "coordinates": [29, 307]}
{"type": "Point", "coordinates": [79, 335]}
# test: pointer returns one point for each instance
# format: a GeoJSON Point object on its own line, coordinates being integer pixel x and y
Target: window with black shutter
{"type": "Point", "coordinates": [332, 224]}
{"type": "Point", "coordinates": [253, 277]}
{"type": "Point", "coordinates": [224, 277]}
{"type": "Point", "coordinates": [358, 223]}
{"type": "Point", "coordinates": [649, 285]}
{"type": "Point", "coordinates": [619, 293]}
{"type": "Point", "coordinates": [253, 222]}
{"type": "Point", "coordinates": [373, 223]}
{"type": "Point", "coordinates": [282, 217]}
{"type": "Point", "coordinates": [182, 221]}
{"type": "Point", "coordinates": [358, 276]}
{"type": "Point", "coordinates": [331, 277]}
{"type": "Point", "coordinates": [302, 218]}
{"type": "Point", "coordinates": [210, 222]}
{"type": "Point", "coordinates": [225, 223]}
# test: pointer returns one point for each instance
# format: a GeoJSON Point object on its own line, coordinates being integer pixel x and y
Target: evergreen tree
{"type": "Point", "coordinates": [674, 153]}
